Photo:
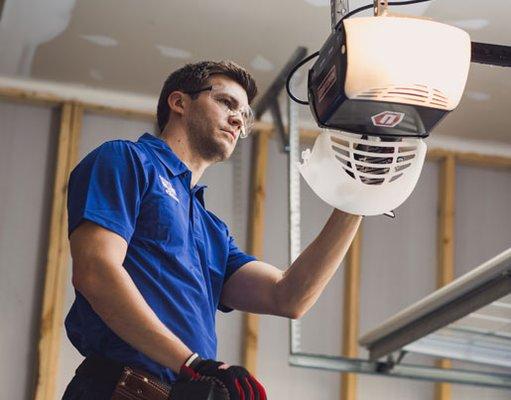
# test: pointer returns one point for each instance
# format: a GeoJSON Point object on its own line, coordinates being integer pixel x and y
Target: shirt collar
{"type": "Point", "coordinates": [198, 190]}
{"type": "Point", "coordinates": [164, 153]}
{"type": "Point", "coordinates": [170, 160]}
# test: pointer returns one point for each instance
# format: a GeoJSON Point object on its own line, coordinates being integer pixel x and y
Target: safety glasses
{"type": "Point", "coordinates": [228, 102]}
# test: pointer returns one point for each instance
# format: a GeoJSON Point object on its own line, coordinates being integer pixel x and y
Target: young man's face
{"type": "Point", "coordinates": [213, 121]}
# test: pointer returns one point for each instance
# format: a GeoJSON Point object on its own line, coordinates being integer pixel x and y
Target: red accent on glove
{"type": "Point", "coordinates": [237, 380]}
{"type": "Point", "coordinates": [188, 373]}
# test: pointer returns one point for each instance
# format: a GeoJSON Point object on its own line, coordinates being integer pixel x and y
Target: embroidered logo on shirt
{"type": "Point", "coordinates": [169, 189]}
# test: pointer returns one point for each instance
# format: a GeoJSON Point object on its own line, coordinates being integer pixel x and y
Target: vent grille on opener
{"type": "Point", "coordinates": [373, 162]}
{"type": "Point", "coordinates": [420, 95]}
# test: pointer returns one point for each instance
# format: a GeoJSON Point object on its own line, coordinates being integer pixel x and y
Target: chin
{"type": "Point", "coordinates": [219, 151]}
{"type": "Point", "coordinates": [225, 148]}
{"type": "Point", "coordinates": [224, 155]}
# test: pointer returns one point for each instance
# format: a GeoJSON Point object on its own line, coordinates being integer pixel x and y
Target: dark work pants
{"type": "Point", "coordinates": [95, 379]}
{"type": "Point", "coordinates": [86, 388]}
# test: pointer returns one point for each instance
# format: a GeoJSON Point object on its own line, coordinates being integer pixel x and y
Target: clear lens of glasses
{"type": "Point", "coordinates": [229, 103]}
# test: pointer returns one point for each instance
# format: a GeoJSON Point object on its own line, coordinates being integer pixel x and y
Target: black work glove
{"type": "Point", "coordinates": [204, 389]}
{"type": "Point", "coordinates": [237, 380]}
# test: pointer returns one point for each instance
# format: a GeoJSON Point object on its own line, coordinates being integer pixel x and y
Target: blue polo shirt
{"type": "Point", "coordinates": [179, 254]}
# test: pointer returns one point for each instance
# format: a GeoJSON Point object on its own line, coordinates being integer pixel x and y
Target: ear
{"type": "Point", "coordinates": [176, 102]}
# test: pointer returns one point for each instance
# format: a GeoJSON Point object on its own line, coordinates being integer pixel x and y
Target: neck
{"type": "Point", "coordinates": [176, 138]}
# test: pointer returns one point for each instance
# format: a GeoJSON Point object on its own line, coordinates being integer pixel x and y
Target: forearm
{"type": "Point", "coordinates": [115, 298]}
{"type": "Point", "coordinates": [305, 279]}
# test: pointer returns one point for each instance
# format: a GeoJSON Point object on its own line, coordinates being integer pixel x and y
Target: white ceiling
{"type": "Point", "coordinates": [132, 45]}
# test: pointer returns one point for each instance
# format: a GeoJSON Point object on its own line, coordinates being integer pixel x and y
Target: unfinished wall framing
{"type": "Point", "coordinates": [57, 252]}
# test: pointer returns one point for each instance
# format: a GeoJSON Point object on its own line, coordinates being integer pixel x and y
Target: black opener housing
{"type": "Point", "coordinates": [334, 110]}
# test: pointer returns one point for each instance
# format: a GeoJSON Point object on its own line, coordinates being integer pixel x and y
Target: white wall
{"type": "Point", "coordinates": [395, 252]}
{"type": "Point", "coordinates": [27, 143]}
{"type": "Point", "coordinates": [96, 129]}
{"type": "Point", "coordinates": [322, 326]}
{"type": "Point", "coordinates": [483, 229]}
{"type": "Point", "coordinates": [398, 269]}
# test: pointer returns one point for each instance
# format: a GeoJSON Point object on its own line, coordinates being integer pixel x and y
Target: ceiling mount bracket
{"type": "Point", "coordinates": [338, 9]}
{"type": "Point", "coordinates": [380, 8]}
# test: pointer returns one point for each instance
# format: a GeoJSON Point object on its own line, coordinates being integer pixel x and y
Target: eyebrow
{"type": "Point", "coordinates": [233, 99]}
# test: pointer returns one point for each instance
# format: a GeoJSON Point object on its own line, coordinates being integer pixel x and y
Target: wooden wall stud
{"type": "Point", "coordinates": [445, 272]}
{"type": "Point", "coordinates": [351, 314]}
{"type": "Point", "coordinates": [255, 239]}
{"type": "Point", "coordinates": [57, 257]}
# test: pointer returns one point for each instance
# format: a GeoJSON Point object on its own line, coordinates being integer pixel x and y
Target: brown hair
{"type": "Point", "coordinates": [193, 77]}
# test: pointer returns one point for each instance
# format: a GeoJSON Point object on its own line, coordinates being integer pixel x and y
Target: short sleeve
{"type": "Point", "coordinates": [106, 188]}
{"type": "Point", "coordinates": [235, 261]}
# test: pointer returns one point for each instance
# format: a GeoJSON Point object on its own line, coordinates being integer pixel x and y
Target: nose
{"type": "Point", "coordinates": [236, 120]}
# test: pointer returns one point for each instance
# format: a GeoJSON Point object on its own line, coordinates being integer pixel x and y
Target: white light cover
{"type": "Point", "coordinates": [362, 176]}
{"type": "Point", "coordinates": [406, 60]}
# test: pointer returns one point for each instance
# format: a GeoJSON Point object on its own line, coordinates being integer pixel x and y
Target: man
{"type": "Point", "coordinates": [151, 265]}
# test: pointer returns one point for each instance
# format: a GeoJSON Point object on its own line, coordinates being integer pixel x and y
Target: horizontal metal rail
{"type": "Point", "coordinates": [404, 371]}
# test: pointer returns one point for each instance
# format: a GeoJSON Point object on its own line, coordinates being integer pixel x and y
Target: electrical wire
{"type": "Point", "coordinates": [337, 26]}
{"type": "Point", "coordinates": [292, 72]}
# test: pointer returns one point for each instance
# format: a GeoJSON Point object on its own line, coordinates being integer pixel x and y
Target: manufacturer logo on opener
{"type": "Point", "coordinates": [388, 119]}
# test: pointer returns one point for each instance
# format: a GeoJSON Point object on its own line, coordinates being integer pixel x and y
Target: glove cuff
{"type": "Point", "coordinates": [187, 370]}
{"type": "Point", "coordinates": [192, 361]}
